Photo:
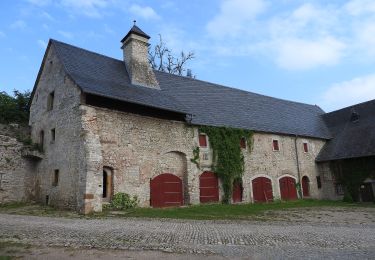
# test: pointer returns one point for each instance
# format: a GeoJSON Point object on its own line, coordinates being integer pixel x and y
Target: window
{"type": "Point", "coordinates": [339, 189]}
{"type": "Point", "coordinates": [53, 135]}
{"type": "Point", "coordinates": [319, 182]}
{"type": "Point", "coordinates": [305, 147]}
{"type": "Point", "coordinates": [55, 181]}
{"type": "Point", "coordinates": [243, 143]}
{"type": "Point", "coordinates": [41, 140]}
{"type": "Point", "coordinates": [50, 100]}
{"type": "Point", "coordinates": [202, 140]}
{"type": "Point", "coordinates": [275, 145]}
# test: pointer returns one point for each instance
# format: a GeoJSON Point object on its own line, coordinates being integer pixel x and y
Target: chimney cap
{"type": "Point", "coordinates": [135, 30]}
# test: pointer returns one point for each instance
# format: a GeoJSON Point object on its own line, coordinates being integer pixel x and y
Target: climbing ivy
{"type": "Point", "coordinates": [196, 156]}
{"type": "Point", "coordinates": [228, 160]}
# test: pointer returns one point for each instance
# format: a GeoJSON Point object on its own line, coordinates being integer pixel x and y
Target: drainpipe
{"type": "Point", "coordinates": [298, 170]}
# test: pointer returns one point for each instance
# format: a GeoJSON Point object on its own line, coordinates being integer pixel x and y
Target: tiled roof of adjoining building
{"type": "Point", "coordinates": [210, 104]}
{"type": "Point", "coordinates": [353, 131]}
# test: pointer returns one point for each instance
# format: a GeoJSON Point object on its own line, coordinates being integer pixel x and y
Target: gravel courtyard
{"type": "Point", "coordinates": [298, 233]}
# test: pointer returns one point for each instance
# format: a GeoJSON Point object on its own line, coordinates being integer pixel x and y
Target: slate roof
{"type": "Point", "coordinates": [210, 104]}
{"type": "Point", "coordinates": [136, 30]}
{"type": "Point", "coordinates": [351, 138]}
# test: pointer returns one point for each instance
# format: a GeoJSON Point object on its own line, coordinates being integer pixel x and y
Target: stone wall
{"type": "Point", "coordinates": [16, 172]}
{"type": "Point", "coordinates": [138, 148]}
{"type": "Point", "coordinates": [65, 152]}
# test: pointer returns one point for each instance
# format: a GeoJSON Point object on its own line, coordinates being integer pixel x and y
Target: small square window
{"type": "Point", "coordinates": [53, 135]}
{"type": "Point", "coordinates": [339, 189]}
{"type": "Point", "coordinates": [305, 147]}
{"type": "Point", "coordinates": [243, 143]}
{"type": "Point", "coordinates": [202, 140]}
{"type": "Point", "coordinates": [55, 181]}
{"type": "Point", "coordinates": [50, 100]}
{"type": "Point", "coordinates": [275, 145]}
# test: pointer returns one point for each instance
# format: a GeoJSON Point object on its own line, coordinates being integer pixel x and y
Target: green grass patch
{"type": "Point", "coordinates": [237, 211]}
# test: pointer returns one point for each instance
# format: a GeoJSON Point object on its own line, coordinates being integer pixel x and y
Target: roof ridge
{"type": "Point", "coordinates": [351, 106]}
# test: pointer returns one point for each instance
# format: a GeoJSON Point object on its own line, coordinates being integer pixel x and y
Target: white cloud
{"type": "Point", "coordinates": [359, 7]}
{"type": "Point", "coordinates": [350, 92]}
{"type": "Point", "coordinates": [300, 54]}
{"type": "Point", "coordinates": [42, 44]}
{"type": "Point", "coordinates": [145, 12]}
{"type": "Point", "coordinates": [66, 34]}
{"type": "Point", "coordinates": [234, 16]}
{"type": "Point", "coordinates": [91, 8]}
{"type": "Point", "coordinates": [19, 24]}
{"type": "Point", "coordinates": [47, 16]}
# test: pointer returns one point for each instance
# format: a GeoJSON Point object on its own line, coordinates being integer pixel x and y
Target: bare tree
{"type": "Point", "coordinates": [161, 58]}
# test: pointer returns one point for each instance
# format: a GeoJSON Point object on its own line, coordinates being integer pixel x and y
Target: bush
{"type": "Point", "coordinates": [14, 109]}
{"type": "Point", "coordinates": [123, 201]}
{"type": "Point", "coordinates": [347, 197]}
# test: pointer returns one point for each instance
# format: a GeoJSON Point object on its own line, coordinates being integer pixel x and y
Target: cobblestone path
{"type": "Point", "coordinates": [240, 239]}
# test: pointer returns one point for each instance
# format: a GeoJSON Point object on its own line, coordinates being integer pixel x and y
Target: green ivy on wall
{"type": "Point", "coordinates": [228, 160]}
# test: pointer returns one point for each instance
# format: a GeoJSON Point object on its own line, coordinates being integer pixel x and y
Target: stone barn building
{"type": "Point", "coordinates": [109, 126]}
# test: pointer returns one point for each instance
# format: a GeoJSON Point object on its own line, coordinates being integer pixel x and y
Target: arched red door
{"type": "Point", "coordinates": [237, 192]}
{"type": "Point", "coordinates": [305, 186]}
{"type": "Point", "coordinates": [288, 188]}
{"type": "Point", "coordinates": [166, 191]}
{"type": "Point", "coordinates": [262, 189]}
{"type": "Point", "coordinates": [208, 187]}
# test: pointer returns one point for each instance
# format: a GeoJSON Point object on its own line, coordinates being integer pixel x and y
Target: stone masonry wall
{"type": "Point", "coordinates": [65, 153]}
{"type": "Point", "coordinates": [16, 172]}
{"type": "Point", "coordinates": [138, 148]}
{"type": "Point", "coordinates": [263, 161]}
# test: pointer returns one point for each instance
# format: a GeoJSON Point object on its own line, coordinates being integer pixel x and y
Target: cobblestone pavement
{"type": "Point", "coordinates": [234, 239]}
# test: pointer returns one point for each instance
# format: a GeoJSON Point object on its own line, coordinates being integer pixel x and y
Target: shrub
{"type": "Point", "coordinates": [123, 201]}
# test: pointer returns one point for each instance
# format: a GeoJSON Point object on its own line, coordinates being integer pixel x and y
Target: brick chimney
{"type": "Point", "coordinates": [135, 47]}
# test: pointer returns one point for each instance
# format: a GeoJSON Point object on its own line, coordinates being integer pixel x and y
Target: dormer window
{"type": "Point", "coordinates": [50, 100]}
{"type": "Point", "coordinates": [354, 116]}
{"type": "Point", "coordinates": [202, 140]}
{"type": "Point", "coordinates": [275, 145]}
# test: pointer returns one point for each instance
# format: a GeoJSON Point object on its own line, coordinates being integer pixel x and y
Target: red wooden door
{"type": "Point", "coordinates": [288, 188]}
{"type": "Point", "coordinates": [262, 189]}
{"type": "Point", "coordinates": [208, 187]}
{"type": "Point", "coordinates": [166, 191]}
{"type": "Point", "coordinates": [305, 186]}
{"type": "Point", "coordinates": [237, 192]}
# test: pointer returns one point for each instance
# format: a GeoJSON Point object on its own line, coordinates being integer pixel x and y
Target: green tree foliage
{"type": "Point", "coordinates": [228, 160]}
{"type": "Point", "coordinates": [14, 109]}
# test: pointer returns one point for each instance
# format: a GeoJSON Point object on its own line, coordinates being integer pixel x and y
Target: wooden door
{"type": "Point", "coordinates": [288, 189]}
{"type": "Point", "coordinates": [166, 191]}
{"type": "Point", "coordinates": [262, 189]}
{"type": "Point", "coordinates": [208, 187]}
{"type": "Point", "coordinates": [305, 186]}
{"type": "Point", "coordinates": [237, 192]}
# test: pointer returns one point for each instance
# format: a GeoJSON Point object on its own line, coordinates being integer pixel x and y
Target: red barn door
{"type": "Point", "coordinates": [209, 187]}
{"type": "Point", "coordinates": [305, 186]}
{"type": "Point", "coordinates": [288, 188]}
{"type": "Point", "coordinates": [262, 189]}
{"type": "Point", "coordinates": [166, 191]}
{"type": "Point", "coordinates": [237, 192]}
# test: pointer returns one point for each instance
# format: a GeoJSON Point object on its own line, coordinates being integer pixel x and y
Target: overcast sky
{"type": "Point", "coordinates": [305, 51]}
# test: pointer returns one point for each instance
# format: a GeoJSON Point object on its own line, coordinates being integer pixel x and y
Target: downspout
{"type": "Point", "coordinates": [298, 170]}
